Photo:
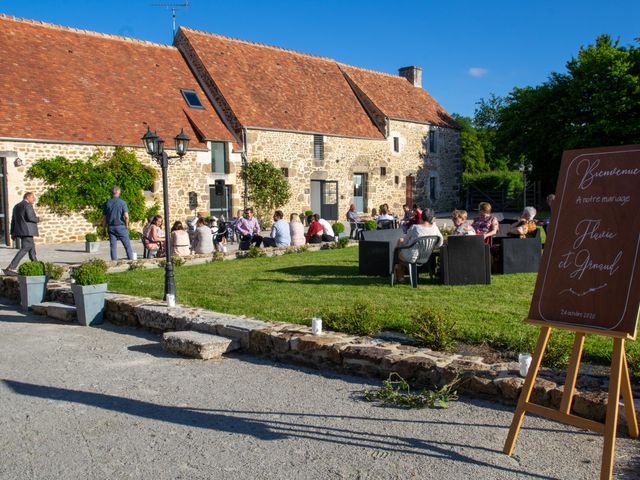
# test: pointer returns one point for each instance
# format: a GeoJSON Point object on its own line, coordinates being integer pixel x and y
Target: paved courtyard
{"type": "Point", "coordinates": [79, 402]}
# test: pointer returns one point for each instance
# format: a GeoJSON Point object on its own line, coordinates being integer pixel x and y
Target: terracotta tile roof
{"type": "Point", "coordinates": [399, 99]}
{"type": "Point", "coordinates": [71, 85]}
{"type": "Point", "coordinates": [274, 88]}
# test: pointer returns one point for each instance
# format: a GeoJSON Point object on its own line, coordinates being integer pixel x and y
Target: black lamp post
{"type": "Point", "coordinates": [154, 146]}
{"type": "Point", "coordinates": [525, 169]}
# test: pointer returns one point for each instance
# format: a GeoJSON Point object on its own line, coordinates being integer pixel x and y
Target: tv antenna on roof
{"type": "Point", "coordinates": [173, 7]}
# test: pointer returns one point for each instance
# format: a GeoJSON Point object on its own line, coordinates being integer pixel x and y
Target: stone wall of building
{"type": "Point", "coordinates": [190, 174]}
{"type": "Point", "coordinates": [344, 157]}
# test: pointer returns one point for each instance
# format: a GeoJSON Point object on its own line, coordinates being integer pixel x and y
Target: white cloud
{"type": "Point", "coordinates": [477, 71]}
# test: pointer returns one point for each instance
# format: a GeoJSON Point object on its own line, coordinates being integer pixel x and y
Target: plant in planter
{"type": "Point", "coordinates": [91, 243]}
{"type": "Point", "coordinates": [338, 228]}
{"type": "Point", "coordinates": [32, 279]}
{"type": "Point", "coordinates": [89, 291]}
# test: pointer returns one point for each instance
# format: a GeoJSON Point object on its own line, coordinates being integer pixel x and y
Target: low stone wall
{"type": "Point", "coordinates": [345, 353]}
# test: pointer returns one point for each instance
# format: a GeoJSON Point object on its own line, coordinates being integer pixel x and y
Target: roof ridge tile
{"type": "Point", "coordinates": [377, 72]}
{"type": "Point", "coordinates": [91, 33]}
{"type": "Point", "coordinates": [258, 44]}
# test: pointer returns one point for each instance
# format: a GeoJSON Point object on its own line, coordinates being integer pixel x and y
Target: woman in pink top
{"type": "Point", "coordinates": [485, 224]}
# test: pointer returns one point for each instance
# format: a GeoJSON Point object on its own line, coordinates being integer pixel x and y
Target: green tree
{"type": "Point", "coordinates": [596, 103]}
{"type": "Point", "coordinates": [268, 189]}
{"type": "Point", "coordinates": [84, 186]}
{"type": "Point", "coordinates": [473, 159]}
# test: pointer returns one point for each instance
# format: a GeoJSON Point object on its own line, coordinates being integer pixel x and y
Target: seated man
{"type": "Point", "coordinates": [249, 228]}
{"type": "Point", "coordinates": [327, 231]}
{"type": "Point", "coordinates": [315, 232]}
{"type": "Point", "coordinates": [354, 220]}
{"type": "Point", "coordinates": [280, 235]}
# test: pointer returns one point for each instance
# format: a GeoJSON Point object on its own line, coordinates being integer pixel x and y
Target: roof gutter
{"type": "Point", "coordinates": [95, 144]}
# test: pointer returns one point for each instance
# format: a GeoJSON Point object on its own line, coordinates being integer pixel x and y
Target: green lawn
{"type": "Point", "coordinates": [293, 288]}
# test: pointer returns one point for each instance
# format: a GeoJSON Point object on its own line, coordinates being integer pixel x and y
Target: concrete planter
{"type": "Point", "coordinates": [32, 290]}
{"type": "Point", "coordinates": [89, 301]}
{"type": "Point", "coordinates": [91, 247]}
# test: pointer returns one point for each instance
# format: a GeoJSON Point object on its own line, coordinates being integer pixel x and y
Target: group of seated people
{"type": "Point", "coordinates": [199, 236]}
{"type": "Point", "coordinates": [202, 236]}
{"type": "Point", "coordinates": [484, 224]}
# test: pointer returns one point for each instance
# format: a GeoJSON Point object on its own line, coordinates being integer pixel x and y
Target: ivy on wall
{"type": "Point", "coordinates": [83, 186]}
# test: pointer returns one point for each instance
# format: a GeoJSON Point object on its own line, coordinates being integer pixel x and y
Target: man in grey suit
{"type": "Point", "coordinates": [24, 225]}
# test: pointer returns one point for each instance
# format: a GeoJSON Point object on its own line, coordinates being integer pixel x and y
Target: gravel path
{"type": "Point", "coordinates": [79, 402]}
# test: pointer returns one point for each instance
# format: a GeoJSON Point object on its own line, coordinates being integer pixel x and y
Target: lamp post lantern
{"type": "Point", "coordinates": [154, 145]}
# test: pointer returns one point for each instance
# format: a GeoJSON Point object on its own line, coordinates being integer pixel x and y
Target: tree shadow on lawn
{"type": "Point", "coordinates": [337, 274]}
{"type": "Point", "coordinates": [268, 429]}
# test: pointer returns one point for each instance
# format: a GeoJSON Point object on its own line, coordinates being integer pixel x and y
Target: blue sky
{"type": "Point", "coordinates": [467, 49]}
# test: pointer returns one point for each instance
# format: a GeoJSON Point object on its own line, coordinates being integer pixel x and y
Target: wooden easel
{"type": "Point", "coordinates": [619, 379]}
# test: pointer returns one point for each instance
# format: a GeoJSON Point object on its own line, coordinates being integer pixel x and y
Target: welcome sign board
{"type": "Point", "coordinates": [589, 276]}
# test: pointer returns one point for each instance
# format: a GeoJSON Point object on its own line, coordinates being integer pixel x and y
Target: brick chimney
{"type": "Point", "coordinates": [413, 74]}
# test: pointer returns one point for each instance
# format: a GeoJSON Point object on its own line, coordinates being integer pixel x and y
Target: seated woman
{"type": "Point", "coordinates": [526, 225]}
{"type": "Point", "coordinates": [485, 224]}
{"type": "Point", "coordinates": [203, 238]}
{"type": "Point", "coordinates": [180, 244]}
{"type": "Point", "coordinates": [461, 227]}
{"type": "Point", "coordinates": [296, 230]}
{"type": "Point", "coordinates": [155, 237]}
{"type": "Point", "coordinates": [425, 228]}
{"type": "Point", "coordinates": [314, 234]}
{"type": "Point", "coordinates": [384, 216]}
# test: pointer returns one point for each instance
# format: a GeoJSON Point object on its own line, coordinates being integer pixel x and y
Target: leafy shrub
{"type": "Point", "coordinates": [268, 188]}
{"type": "Point", "coordinates": [446, 231]}
{"type": "Point", "coordinates": [217, 256]}
{"type": "Point", "coordinates": [90, 273]}
{"type": "Point", "coordinates": [338, 228]}
{"type": "Point", "coordinates": [558, 350]}
{"type": "Point", "coordinates": [136, 265]}
{"type": "Point", "coordinates": [32, 269]}
{"type": "Point", "coordinates": [356, 319]}
{"type": "Point", "coordinates": [134, 234]}
{"type": "Point", "coordinates": [341, 243]}
{"type": "Point", "coordinates": [53, 271]}
{"type": "Point", "coordinates": [509, 181]}
{"type": "Point", "coordinates": [254, 252]}
{"type": "Point", "coordinates": [433, 329]}
{"type": "Point", "coordinates": [97, 262]}
{"type": "Point", "coordinates": [370, 225]}
{"type": "Point", "coordinates": [91, 237]}
{"type": "Point", "coordinates": [308, 213]}
{"type": "Point", "coordinates": [175, 261]}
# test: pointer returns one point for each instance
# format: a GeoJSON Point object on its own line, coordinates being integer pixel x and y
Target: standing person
{"type": "Point", "coordinates": [24, 225]}
{"type": "Point", "coordinates": [116, 220]}
{"type": "Point", "coordinates": [280, 233]}
{"type": "Point", "coordinates": [296, 230]}
{"type": "Point", "coordinates": [249, 228]}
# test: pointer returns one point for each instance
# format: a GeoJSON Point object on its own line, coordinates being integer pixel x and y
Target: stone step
{"type": "Point", "coordinates": [58, 311]}
{"type": "Point", "coordinates": [198, 345]}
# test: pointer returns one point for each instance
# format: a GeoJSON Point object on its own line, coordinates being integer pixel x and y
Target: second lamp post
{"type": "Point", "coordinates": [154, 145]}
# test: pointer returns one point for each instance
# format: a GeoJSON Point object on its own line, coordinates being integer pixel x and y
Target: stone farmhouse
{"type": "Point", "coordinates": [340, 134]}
